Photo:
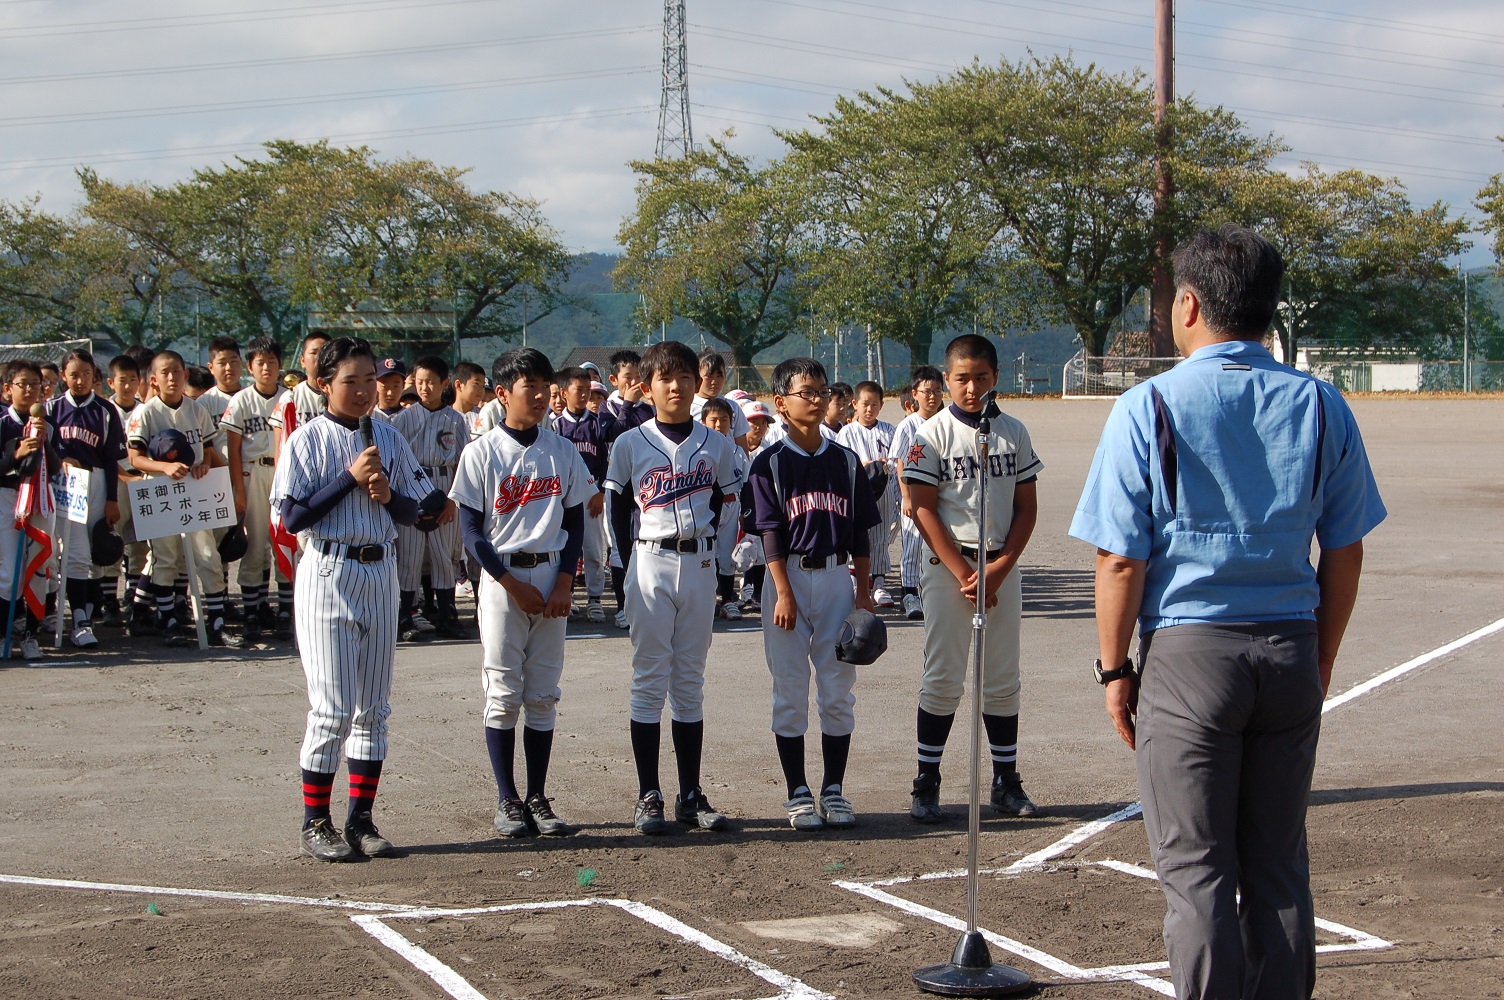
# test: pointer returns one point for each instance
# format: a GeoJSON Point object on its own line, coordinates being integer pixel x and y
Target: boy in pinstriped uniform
{"type": "Point", "coordinates": [928, 390]}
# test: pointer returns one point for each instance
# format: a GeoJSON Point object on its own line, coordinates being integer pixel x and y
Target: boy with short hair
{"type": "Point", "coordinates": [391, 373]}
{"type": "Point", "coordinates": [928, 391]}
{"type": "Point", "coordinates": [872, 438]}
{"type": "Point", "coordinates": [226, 367]}
{"type": "Point", "coordinates": [469, 383]}
{"type": "Point", "coordinates": [200, 381]}
{"type": "Point", "coordinates": [838, 410]}
{"type": "Point", "coordinates": [944, 474]}
{"type": "Point", "coordinates": [592, 435]}
{"type": "Point", "coordinates": [125, 383]}
{"type": "Point", "coordinates": [249, 444]}
{"type": "Point", "coordinates": [676, 474]}
{"type": "Point", "coordinates": [521, 492]}
{"type": "Point", "coordinates": [712, 381]}
{"type": "Point", "coordinates": [813, 507]}
{"type": "Point", "coordinates": [171, 410]}
{"type": "Point", "coordinates": [303, 401]}
{"type": "Point", "coordinates": [715, 413]}
{"type": "Point", "coordinates": [437, 435]}
{"type": "Point", "coordinates": [629, 409]}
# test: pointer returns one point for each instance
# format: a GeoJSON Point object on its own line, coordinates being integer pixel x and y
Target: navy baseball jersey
{"type": "Point", "coordinates": [91, 434]}
{"type": "Point", "coordinates": [591, 434]}
{"type": "Point", "coordinates": [821, 502]}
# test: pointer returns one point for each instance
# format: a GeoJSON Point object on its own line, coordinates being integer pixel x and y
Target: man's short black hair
{"type": "Point", "coordinates": [669, 358]}
{"type": "Point", "coordinates": [144, 356]}
{"type": "Point", "coordinates": [574, 373]}
{"type": "Point", "coordinates": [710, 362]}
{"type": "Point", "coordinates": [223, 343]}
{"type": "Point", "coordinates": [200, 378]}
{"type": "Point", "coordinates": [792, 368]}
{"type": "Point", "coordinates": [971, 347]}
{"type": "Point", "coordinates": [337, 351]}
{"type": "Point", "coordinates": [521, 362]}
{"type": "Point", "coordinates": [17, 365]}
{"type": "Point", "coordinates": [464, 371]}
{"type": "Point", "coordinates": [264, 345]}
{"type": "Point", "coordinates": [435, 364]}
{"type": "Point", "coordinates": [622, 358]}
{"type": "Point", "coordinates": [124, 363]}
{"type": "Point", "coordinates": [868, 386]}
{"type": "Point", "coordinates": [926, 373]}
{"type": "Point", "coordinates": [1235, 274]}
{"type": "Point", "coordinates": [168, 356]}
{"type": "Point", "coordinates": [717, 404]}
{"type": "Point", "coordinates": [841, 390]}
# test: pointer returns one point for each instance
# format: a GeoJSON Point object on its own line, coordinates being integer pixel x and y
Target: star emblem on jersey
{"type": "Point", "coordinates": [916, 452]}
{"type": "Point", "coordinates": [516, 491]}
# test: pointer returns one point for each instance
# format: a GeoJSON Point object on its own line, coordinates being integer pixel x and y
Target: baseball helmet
{"type": "Point", "coordinates": [429, 509]}
{"type": "Point", "coordinates": [170, 446]}
{"type": "Point", "coordinates": [864, 637]}
{"type": "Point", "coordinates": [233, 546]}
{"type": "Point", "coordinates": [877, 477]}
{"type": "Point", "coordinates": [106, 548]}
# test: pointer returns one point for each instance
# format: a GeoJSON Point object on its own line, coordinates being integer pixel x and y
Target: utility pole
{"type": "Point", "coordinates": [675, 137]}
{"type": "Point", "coordinates": [1162, 287]}
{"type": "Point", "coordinates": [1467, 353]}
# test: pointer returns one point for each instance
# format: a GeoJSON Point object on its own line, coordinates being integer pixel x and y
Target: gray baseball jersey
{"type": "Point", "coordinates": [522, 490]}
{"type": "Point", "coordinates": [155, 416]}
{"type": "Point", "coordinates": [215, 402]}
{"type": "Point", "coordinates": [671, 483]}
{"type": "Point", "coordinates": [307, 402]}
{"type": "Point", "coordinates": [249, 415]}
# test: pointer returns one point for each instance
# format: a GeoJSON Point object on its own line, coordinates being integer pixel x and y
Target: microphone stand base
{"type": "Point", "coordinates": [971, 973]}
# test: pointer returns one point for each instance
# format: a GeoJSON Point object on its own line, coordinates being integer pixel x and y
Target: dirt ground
{"type": "Point", "coordinates": [151, 768]}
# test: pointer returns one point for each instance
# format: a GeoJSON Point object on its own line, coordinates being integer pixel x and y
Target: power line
{"type": "Point", "coordinates": [303, 100]}
{"type": "Point", "coordinates": [439, 47]}
{"type": "Point", "coordinates": [1389, 24]}
{"type": "Point", "coordinates": [223, 17]}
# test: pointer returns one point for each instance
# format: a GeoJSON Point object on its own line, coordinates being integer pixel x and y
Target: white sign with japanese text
{"type": "Point", "coordinates": [71, 492]}
{"type": "Point", "coordinates": [162, 505]}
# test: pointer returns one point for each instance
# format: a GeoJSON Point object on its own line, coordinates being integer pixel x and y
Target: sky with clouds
{"type": "Point", "coordinates": [552, 99]}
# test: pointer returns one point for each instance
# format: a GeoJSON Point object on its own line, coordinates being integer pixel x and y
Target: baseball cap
{"type": "Point", "coordinates": [591, 366]}
{"type": "Point", "coordinates": [740, 395]}
{"type": "Point", "coordinates": [390, 366]}
{"type": "Point", "coordinates": [600, 388]}
{"type": "Point", "coordinates": [754, 408]}
{"type": "Point", "coordinates": [170, 446]}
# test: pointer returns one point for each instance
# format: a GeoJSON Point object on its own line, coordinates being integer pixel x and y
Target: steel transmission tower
{"type": "Point", "coordinates": [675, 137]}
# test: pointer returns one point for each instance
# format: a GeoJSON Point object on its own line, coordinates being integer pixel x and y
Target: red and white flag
{"type": "Point", "coordinates": [284, 542]}
{"type": "Point", "coordinates": [34, 501]}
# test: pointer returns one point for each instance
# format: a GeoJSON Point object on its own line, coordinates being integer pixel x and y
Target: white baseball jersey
{"type": "Point", "coordinates": [155, 416]}
{"type": "Point", "coordinates": [944, 455]}
{"type": "Point", "coordinates": [473, 419]}
{"type": "Point", "coordinates": [871, 444]}
{"type": "Point", "coordinates": [912, 550]}
{"type": "Point", "coordinates": [377, 413]}
{"type": "Point", "coordinates": [215, 402]}
{"type": "Point", "coordinates": [903, 439]}
{"type": "Point", "coordinates": [777, 431]}
{"type": "Point", "coordinates": [127, 420]}
{"type": "Point", "coordinates": [436, 436]}
{"type": "Point", "coordinates": [491, 414]}
{"type": "Point", "coordinates": [249, 415]}
{"type": "Point", "coordinates": [307, 402]}
{"type": "Point", "coordinates": [670, 483]}
{"type": "Point", "coordinates": [318, 452]}
{"type": "Point", "coordinates": [739, 425]}
{"type": "Point", "coordinates": [523, 490]}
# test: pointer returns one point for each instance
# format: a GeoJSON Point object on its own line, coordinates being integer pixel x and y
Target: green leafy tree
{"type": "Point", "coordinates": [716, 239]}
{"type": "Point", "coordinates": [1491, 203]}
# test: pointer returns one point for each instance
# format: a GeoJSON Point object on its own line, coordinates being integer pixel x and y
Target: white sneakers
{"type": "Point", "coordinates": [834, 811]}
{"type": "Point", "coordinates": [621, 618]}
{"type": "Point", "coordinates": [30, 650]}
{"type": "Point", "coordinates": [83, 637]}
{"type": "Point", "coordinates": [912, 609]}
{"type": "Point", "coordinates": [881, 597]}
{"type": "Point", "coordinates": [594, 611]}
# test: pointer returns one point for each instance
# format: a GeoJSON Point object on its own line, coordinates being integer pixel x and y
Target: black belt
{"type": "Point", "coordinates": [821, 562]}
{"type": "Point", "coordinates": [684, 546]}
{"type": "Point", "coordinates": [358, 553]}
{"type": "Point", "coordinates": [527, 560]}
{"type": "Point", "coordinates": [267, 461]}
{"type": "Point", "coordinates": [970, 555]}
{"type": "Point", "coordinates": [437, 470]}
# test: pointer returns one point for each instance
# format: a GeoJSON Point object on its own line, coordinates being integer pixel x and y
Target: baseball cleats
{"type": "Point", "coordinates": [30, 649]}
{"type": "Point", "coordinates": [750, 606]}
{"type": "Point", "coordinates": [1009, 797]}
{"type": "Point", "coordinates": [621, 619]}
{"type": "Point", "coordinates": [802, 814]}
{"type": "Point", "coordinates": [109, 611]}
{"type": "Point", "coordinates": [698, 812]}
{"type": "Point", "coordinates": [729, 610]}
{"type": "Point", "coordinates": [926, 805]}
{"type": "Point", "coordinates": [594, 611]}
{"type": "Point", "coordinates": [408, 631]}
{"type": "Point", "coordinates": [217, 636]}
{"type": "Point", "coordinates": [364, 839]}
{"type": "Point", "coordinates": [512, 819]}
{"type": "Point", "coordinates": [881, 597]}
{"type": "Point", "coordinates": [450, 627]}
{"type": "Point", "coordinates": [545, 821]}
{"type": "Point", "coordinates": [421, 624]}
{"type": "Point", "coordinates": [252, 628]}
{"type": "Point", "coordinates": [322, 842]}
{"type": "Point", "coordinates": [648, 816]}
{"type": "Point", "coordinates": [144, 623]}
{"type": "Point", "coordinates": [836, 810]}
{"type": "Point", "coordinates": [83, 637]}
{"type": "Point", "coordinates": [283, 629]}
{"type": "Point", "coordinates": [912, 609]}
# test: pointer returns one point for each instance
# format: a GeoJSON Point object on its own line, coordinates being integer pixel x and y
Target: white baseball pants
{"type": "Point", "coordinates": [725, 537]}
{"type": "Point", "coordinates": [594, 554]}
{"type": "Point", "coordinates": [522, 655]}
{"type": "Point", "coordinates": [947, 643]}
{"type": "Point", "coordinates": [881, 536]}
{"type": "Point", "coordinates": [824, 599]}
{"type": "Point", "coordinates": [671, 608]}
{"type": "Point", "coordinates": [347, 636]}
{"type": "Point", "coordinates": [437, 547]}
{"type": "Point", "coordinates": [166, 563]}
{"type": "Point", "coordinates": [913, 552]}
{"type": "Point", "coordinates": [258, 527]}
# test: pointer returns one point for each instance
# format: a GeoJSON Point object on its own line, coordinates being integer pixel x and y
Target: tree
{"type": "Point", "coordinates": [1363, 267]}
{"type": "Point", "coordinates": [1491, 203]}
{"type": "Point", "coordinates": [715, 239]}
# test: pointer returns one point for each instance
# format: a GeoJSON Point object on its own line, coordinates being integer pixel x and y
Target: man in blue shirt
{"type": "Point", "coordinates": [1207, 487]}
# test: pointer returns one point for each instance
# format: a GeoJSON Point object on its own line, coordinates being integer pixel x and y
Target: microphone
{"type": "Point", "coordinates": [367, 434]}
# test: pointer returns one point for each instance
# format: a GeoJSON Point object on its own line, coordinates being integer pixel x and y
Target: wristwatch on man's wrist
{"type": "Point", "coordinates": [1108, 676]}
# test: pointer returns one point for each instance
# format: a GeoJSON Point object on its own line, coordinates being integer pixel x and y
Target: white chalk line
{"type": "Point", "coordinates": [457, 987]}
{"type": "Point", "coordinates": [1359, 940]}
{"type": "Point", "coordinates": [234, 897]}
